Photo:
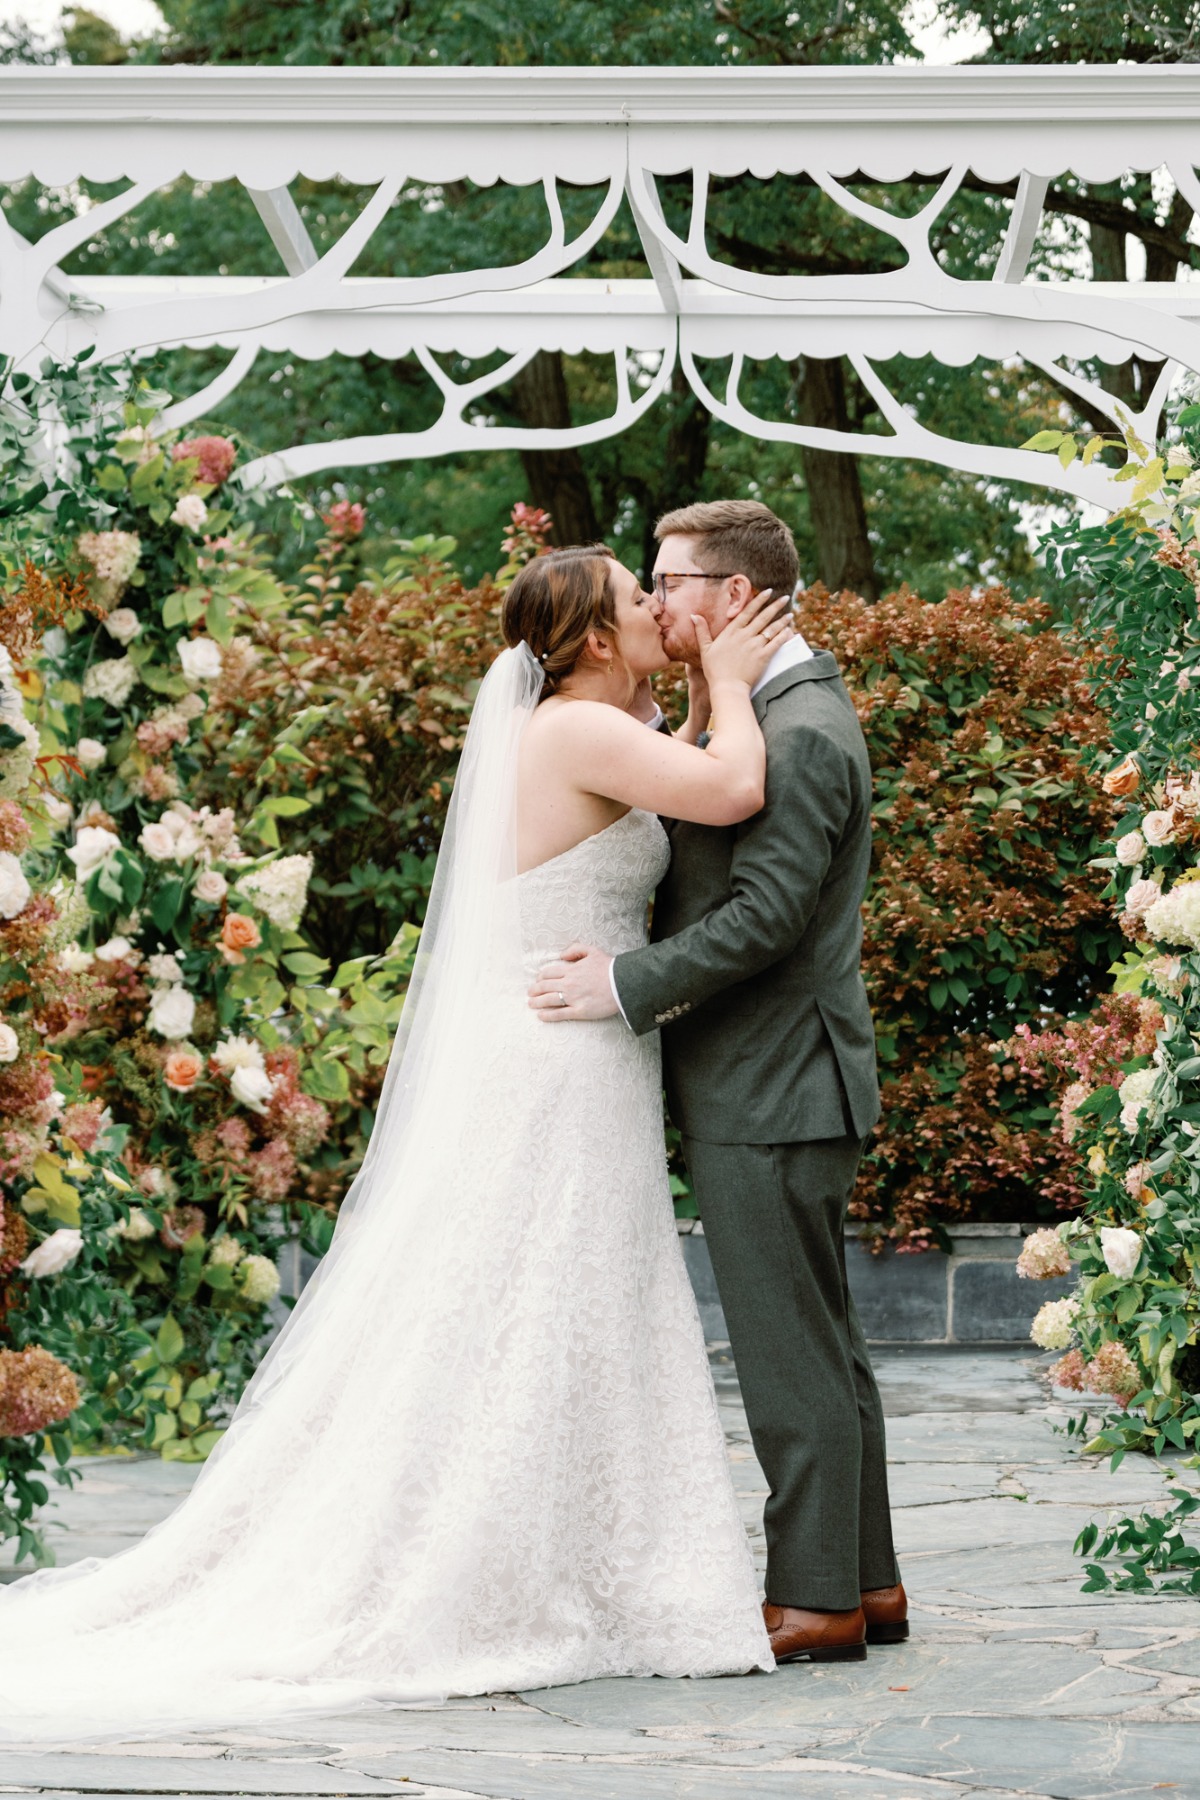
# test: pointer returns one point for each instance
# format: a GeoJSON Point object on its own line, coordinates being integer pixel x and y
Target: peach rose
{"type": "Point", "coordinates": [182, 1070]}
{"type": "Point", "coordinates": [238, 933]}
{"type": "Point", "coordinates": [1126, 778]}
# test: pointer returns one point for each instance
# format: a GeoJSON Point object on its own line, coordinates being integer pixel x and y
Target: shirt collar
{"type": "Point", "coordinates": [794, 650]}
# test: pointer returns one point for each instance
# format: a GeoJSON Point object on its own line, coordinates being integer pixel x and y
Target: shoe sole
{"type": "Point", "coordinates": [833, 1653]}
{"type": "Point", "coordinates": [888, 1634]}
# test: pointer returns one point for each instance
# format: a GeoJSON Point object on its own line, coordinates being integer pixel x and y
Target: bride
{"type": "Point", "coordinates": [484, 1452]}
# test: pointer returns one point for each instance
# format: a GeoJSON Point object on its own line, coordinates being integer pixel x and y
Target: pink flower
{"type": "Point", "coordinates": [345, 519]}
{"type": "Point", "coordinates": [1069, 1372]}
{"type": "Point", "coordinates": [1074, 1097]}
{"type": "Point", "coordinates": [216, 456]}
{"type": "Point", "coordinates": [1113, 1371]}
{"type": "Point", "coordinates": [14, 828]}
{"type": "Point", "coordinates": [36, 1391]}
{"type": "Point", "coordinates": [303, 1121]}
{"type": "Point", "coordinates": [273, 1170]}
{"type": "Point", "coordinates": [82, 1122]}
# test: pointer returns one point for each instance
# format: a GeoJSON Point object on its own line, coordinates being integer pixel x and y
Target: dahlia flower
{"type": "Point", "coordinates": [238, 1053]}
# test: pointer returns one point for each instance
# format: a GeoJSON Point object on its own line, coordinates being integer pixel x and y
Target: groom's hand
{"type": "Point", "coordinates": [578, 986]}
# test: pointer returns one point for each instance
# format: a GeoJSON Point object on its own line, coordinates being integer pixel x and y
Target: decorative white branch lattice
{"type": "Point", "coordinates": [619, 131]}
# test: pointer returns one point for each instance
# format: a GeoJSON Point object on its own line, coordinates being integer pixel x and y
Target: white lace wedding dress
{"type": "Point", "coordinates": [494, 1460]}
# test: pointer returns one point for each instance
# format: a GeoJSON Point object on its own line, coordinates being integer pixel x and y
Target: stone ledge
{"type": "Point", "coordinates": [973, 1297]}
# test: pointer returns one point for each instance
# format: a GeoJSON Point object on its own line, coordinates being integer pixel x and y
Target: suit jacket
{"type": "Point", "coordinates": [753, 968]}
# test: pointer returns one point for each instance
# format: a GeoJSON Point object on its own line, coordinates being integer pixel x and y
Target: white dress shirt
{"type": "Point", "coordinates": [793, 651]}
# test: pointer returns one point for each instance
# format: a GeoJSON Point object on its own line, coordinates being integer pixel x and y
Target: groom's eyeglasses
{"type": "Point", "coordinates": [660, 581]}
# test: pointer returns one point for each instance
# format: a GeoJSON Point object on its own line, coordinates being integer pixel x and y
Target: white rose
{"type": "Point", "coordinates": [123, 624]}
{"type": "Point", "coordinates": [157, 841]}
{"type": "Point", "coordinates": [55, 1253]}
{"type": "Point", "coordinates": [115, 950]}
{"type": "Point", "coordinates": [163, 967]}
{"type": "Point", "coordinates": [172, 1012]}
{"type": "Point", "coordinates": [238, 1053]}
{"type": "Point", "coordinates": [93, 845]}
{"type": "Point", "coordinates": [10, 1047]}
{"type": "Point", "coordinates": [15, 891]}
{"type": "Point", "coordinates": [90, 753]}
{"type": "Point", "coordinates": [1121, 1249]}
{"type": "Point", "coordinates": [201, 658]}
{"type": "Point", "coordinates": [1130, 849]}
{"type": "Point", "coordinates": [210, 886]}
{"type": "Point", "coordinates": [1141, 897]}
{"type": "Point", "coordinates": [190, 511]}
{"type": "Point", "coordinates": [253, 1087]}
{"type": "Point", "coordinates": [75, 959]}
{"type": "Point", "coordinates": [59, 812]}
{"type": "Point", "coordinates": [187, 842]}
{"type": "Point", "coordinates": [1158, 828]}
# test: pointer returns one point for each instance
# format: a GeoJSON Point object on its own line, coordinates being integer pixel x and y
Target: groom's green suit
{"type": "Point", "coordinates": [752, 973]}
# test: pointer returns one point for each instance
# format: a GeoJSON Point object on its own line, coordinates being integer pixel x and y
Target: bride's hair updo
{"type": "Point", "coordinates": [555, 602]}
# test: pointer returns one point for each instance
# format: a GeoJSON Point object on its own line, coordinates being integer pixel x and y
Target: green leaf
{"type": "Point", "coordinates": [1044, 440]}
{"type": "Point", "coordinates": [305, 965]}
{"type": "Point", "coordinates": [164, 908]}
{"type": "Point", "coordinates": [285, 806]}
{"type": "Point", "coordinates": [169, 1341]}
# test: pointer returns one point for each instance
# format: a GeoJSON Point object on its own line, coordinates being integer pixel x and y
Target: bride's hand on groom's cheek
{"type": "Point", "coordinates": [577, 986]}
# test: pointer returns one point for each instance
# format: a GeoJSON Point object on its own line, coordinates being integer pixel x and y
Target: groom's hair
{"type": "Point", "coordinates": [737, 537]}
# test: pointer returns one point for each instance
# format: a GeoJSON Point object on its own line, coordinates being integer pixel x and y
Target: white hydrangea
{"type": "Point", "coordinates": [280, 890]}
{"type": "Point", "coordinates": [15, 891]}
{"type": "Point", "coordinates": [1134, 1094]}
{"type": "Point", "coordinates": [259, 1279]}
{"type": "Point", "coordinates": [1052, 1328]}
{"type": "Point", "coordinates": [136, 1228]}
{"type": "Point", "coordinates": [1175, 917]}
{"type": "Point", "coordinates": [75, 959]}
{"type": "Point", "coordinates": [112, 680]}
{"type": "Point", "coordinates": [225, 1252]}
{"type": "Point", "coordinates": [163, 967]}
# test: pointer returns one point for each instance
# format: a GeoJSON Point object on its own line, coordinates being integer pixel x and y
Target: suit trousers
{"type": "Point", "coordinates": [774, 1216]}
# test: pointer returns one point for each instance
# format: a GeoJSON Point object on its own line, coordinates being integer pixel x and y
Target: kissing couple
{"type": "Point", "coordinates": [484, 1452]}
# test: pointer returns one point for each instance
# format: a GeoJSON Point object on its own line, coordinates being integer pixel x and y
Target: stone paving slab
{"type": "Point", "coordinates": [1014, 1682]}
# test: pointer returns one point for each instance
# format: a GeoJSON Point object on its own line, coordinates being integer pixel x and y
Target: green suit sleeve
{"type": "Point", "coordinates": [781, 856]}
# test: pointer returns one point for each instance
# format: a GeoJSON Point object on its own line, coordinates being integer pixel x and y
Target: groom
{"type": "Point", "coordinates": [753, 976]}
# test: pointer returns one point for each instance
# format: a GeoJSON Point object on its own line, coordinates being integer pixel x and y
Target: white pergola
{"type": "Point", "coordinates": [619, 130]}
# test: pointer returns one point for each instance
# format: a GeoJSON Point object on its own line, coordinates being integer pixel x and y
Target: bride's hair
{"type": "Point", "coordinates": [555, 602]}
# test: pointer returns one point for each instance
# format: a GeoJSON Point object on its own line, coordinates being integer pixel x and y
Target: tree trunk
{"type": "Point", "coordinates": [835, 500]}
{"type": "Point", "coordinates": [557, 479]}
{"type": "Point", "coordinates": [688, 421]}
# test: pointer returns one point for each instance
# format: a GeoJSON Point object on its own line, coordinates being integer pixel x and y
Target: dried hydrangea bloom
{"type": "Point", "coordinates": [215, 455]}
{"type": "Point", "coordinates": [36, 1391]}
{"type": "Point", "coordinates": [1113, 1371]}
{"type": "Point", "coordinates": [1070, 1372]}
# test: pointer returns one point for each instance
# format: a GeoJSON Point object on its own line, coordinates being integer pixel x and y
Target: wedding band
{"type": "Point", "coordinates": [561, 998]}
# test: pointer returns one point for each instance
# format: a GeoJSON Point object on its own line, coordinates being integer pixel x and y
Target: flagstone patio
{"type": "Point", "coordinates": [1014, 1682]}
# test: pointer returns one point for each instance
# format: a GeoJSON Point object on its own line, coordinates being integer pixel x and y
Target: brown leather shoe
{"type": "Point", "coordinates": [886, 1612]}
{"type": "Point", "coordinates": [797, 1634]}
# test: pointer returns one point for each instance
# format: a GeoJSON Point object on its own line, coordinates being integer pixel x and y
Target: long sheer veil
{"type": "Point", "coordinates": [187, 1624]}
